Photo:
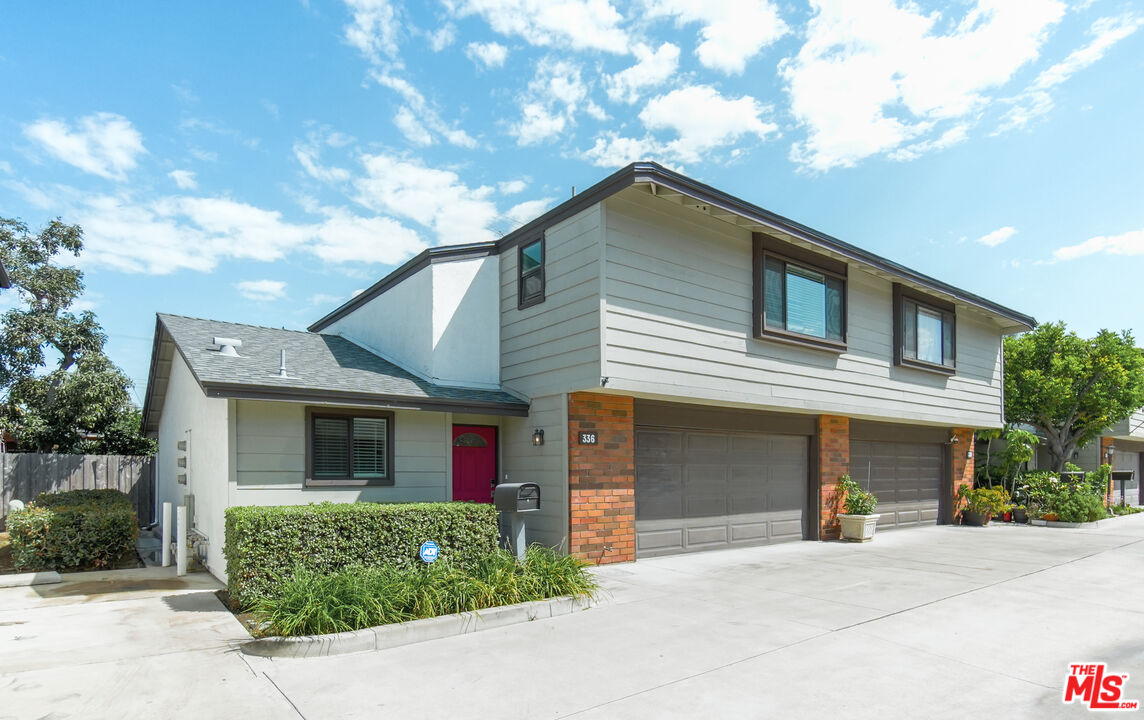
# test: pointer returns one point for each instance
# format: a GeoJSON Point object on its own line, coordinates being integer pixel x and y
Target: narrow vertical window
{"type": "Point", "coordinates": [530, 274]}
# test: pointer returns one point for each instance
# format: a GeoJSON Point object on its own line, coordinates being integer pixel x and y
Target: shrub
{"type": "Point", "coordinates": [1080, 507]}
{"type": "Point", "coordinates": [985, 500]}
{"type": "Point", "coordinates": [74, 530]}
{"type": "Point", "coordinates": [264, 544]}
{"type": "Point", "coordinates": [857, 500]}
{"type": "Point", "coordinates": [308, 603]}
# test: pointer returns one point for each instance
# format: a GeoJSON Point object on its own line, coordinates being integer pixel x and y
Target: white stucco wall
{"type": "Point", "coordinates": [440, 323]}
{"type": "Point", "coordinates": [186, 407]}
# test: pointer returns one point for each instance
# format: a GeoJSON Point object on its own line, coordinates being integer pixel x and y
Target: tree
{"type": "Point", "coordinates": [1069, 388]}
{"type": "Point", "coordinates": [58, 389]}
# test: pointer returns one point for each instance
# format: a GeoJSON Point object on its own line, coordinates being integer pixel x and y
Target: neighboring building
{"type": "Point", "coordinates": [678, 369]}
{"type": "Point", "coordinates": [1122, 447]}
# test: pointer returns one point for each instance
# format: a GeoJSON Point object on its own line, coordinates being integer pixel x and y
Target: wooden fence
{"type": "Point", "coordinates": [25, 475]}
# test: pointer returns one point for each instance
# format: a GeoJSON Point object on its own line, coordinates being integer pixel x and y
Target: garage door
{"type": "Point", "coordinates": [703, 490]}
{"type": "Point", "coordinates": [1122, 460]}
{"type": "Point", "coordinates": [906, 477]}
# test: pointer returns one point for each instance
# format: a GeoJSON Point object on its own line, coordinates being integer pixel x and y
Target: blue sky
{"type": "Point", "coordinates": [260, 161]}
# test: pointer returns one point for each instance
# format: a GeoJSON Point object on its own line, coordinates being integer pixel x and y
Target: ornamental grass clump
{"type": "Point", "coordinates": [305, 602]}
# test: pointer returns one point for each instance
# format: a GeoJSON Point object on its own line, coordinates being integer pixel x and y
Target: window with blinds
{"type": "Point", "coordinates": [350, 449]}
{"type": "Point", "coordinates": [803, 301]}
{"type": "Point", "coordinates": [925, 332]}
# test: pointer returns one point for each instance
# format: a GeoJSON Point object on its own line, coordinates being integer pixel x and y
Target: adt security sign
{"type": "Point", "coordinates": [429, 551]}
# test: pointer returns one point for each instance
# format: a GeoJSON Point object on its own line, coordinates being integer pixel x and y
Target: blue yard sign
{"type": "Point", "coordinates": [429, 551]}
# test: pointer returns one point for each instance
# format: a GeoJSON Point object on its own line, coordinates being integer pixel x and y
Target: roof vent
{"type": "Point", "coordinates": [227, 346]}
{"type": "Point", "coordinates": [282, 367]}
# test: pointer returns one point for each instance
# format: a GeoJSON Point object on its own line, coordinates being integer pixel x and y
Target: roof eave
{"type": "Point", "coordinates": [243, 391]}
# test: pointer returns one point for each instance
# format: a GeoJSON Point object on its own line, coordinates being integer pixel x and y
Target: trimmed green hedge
{"type": "Point", "coordinates": [74, 530]}
{"type": "Point", "coordinates": [266, 544]}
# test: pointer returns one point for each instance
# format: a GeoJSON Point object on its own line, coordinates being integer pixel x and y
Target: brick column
{"type": "Point", "coordinates": [962, 465]}
{"type": "Point", "coordinates": [601, 478]}
{"type": "Point", "coordinates": [1105, 443]}
{"type": "Point", "coordinates": [833, 463]}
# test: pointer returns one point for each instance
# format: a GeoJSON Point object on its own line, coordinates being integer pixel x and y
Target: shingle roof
{"type": "Point", "coordinates": [319, 367]}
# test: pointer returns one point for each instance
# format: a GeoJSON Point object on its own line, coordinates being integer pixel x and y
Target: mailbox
{"type": "Point", "coordinates": [517, 497]}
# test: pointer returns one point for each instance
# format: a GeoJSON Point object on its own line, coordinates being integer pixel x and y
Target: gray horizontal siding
{"type": "Point", "coordinates": [270, 458]}
{"type": "Point", "coordinates": [555, 346]}
{"type": "Point", "coordinates": [545, 465]}
{"type": "Point", "coordinates": [678, 323]}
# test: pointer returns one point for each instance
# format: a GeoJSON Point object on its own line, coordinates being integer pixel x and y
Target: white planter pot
{"type": "Point", "coordinates": [858, 528]}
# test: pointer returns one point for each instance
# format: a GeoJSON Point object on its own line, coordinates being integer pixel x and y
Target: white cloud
{"type": "Point", "coordinates": [417, 118]}
{"type": "Point", "coordinates": [184, 179]}
{"type": "Point", "coordinates": [324, 299]}
{"type": "Point", "coordinates": [575, 24]}
{"type": "Point", "coordinates": [1129, 243]}
{"type": "Point", "coordinates": [734, 31]}
{"type": "Point", "coordinates": [1037, 99]}
{"type": "Point", "coordinates": [872, 76]}
{"type": "Point", "coordinates": [261, 290]}
{"type": "Point", "coordinates": [703, 120]}
{"type": "Point", "coordinates": [957, 134]}
{"type": "Point", "coordinates": [554, 96]}
{"type": "Point", "coordinates": [490, 54]}
{"type": "Point", "coordinates": [511, 187]}
{"type": "Point", "coordinates": [612, 150]}
{"type": "Point", "coordinates": [521, 213]}
{"type": "Point", "coordinates": [443, 37]}
{"type": "Point", "coordinates": [348, 238]}
{"type": "Point", "coordinates": [998, 236]}
{"type": "Point", "coordinates": [375, 28]}
{"type": "Point", "coordinates": [308, 154]}
{"type": "Point", "coordinates": [437, 199]}
{"type": "Point", "coordinates": [103, 144]}
{"type": "Point", "coordinates": [653, 68]}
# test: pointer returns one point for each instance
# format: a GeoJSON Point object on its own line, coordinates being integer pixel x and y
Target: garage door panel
{"type": "Point", "coordinates": [906, 477]}
{"type": "Point", "coordinates": [659, 489]}
{"type": "Point", "coordinates": [733, 489]}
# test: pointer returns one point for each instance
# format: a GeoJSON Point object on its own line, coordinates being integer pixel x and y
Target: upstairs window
{"type": "Point", "coordinates": [925, 331]}
{"type": "Point", "coordinates": [530, 274]}
{"type": "Point", "coordinates": [799, 297]}
{"type": "Point", "coordinates": [348, 448]}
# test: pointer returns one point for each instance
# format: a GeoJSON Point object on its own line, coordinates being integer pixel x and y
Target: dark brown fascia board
{"type": "Point", "coordinates": [650, 172]}
{"type": "Point", "coordinates": [151, 373]}
{"type": "Point", "coordinates": [262, 392]}
{"type": "Point", "coordinates": [421, 261]}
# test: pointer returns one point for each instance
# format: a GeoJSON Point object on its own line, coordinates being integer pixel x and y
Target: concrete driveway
{"type": "Point", "coordinates": [940, 622]}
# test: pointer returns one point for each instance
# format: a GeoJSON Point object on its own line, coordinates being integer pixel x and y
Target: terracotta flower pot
{"type": "Point", "coordinates": [1051, 517]}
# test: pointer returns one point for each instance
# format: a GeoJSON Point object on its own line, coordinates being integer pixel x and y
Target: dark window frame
{"type": "Point", "coordinates": [768, 247]}
{"type": "Point", "coordinates": [343, 413]}
{"type": "Point", "coordinates": [523, 302]}
{"type": "Point", "coordinates": [948, 312]}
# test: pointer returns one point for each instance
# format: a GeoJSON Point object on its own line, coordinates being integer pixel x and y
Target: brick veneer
{"type": "Point", "coordinates": [601, 478]}
{"type": "Point", "coordinates": [833, 463]}
{"type": "Point", "coordinates": [962, 465]}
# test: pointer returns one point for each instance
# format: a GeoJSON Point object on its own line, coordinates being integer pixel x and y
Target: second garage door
{"type": "Point", "coordinates": [906, 477]}
{"type": "Point", "coordinates": [702, 490]}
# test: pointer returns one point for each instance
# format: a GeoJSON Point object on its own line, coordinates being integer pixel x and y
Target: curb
{"type": "Point", "coordinates": [33, 578]}
{"type": "Point", "coordinates": [384, 637]}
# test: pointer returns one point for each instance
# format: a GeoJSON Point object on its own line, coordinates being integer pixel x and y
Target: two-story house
{"type": "Point", "coordinates": [677, 368]}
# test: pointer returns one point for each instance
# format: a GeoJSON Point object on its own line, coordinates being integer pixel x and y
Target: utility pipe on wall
{"type": "Point", "coordinates": [166, 534]}
{"type": "Point", "coordinates": [181, 541]}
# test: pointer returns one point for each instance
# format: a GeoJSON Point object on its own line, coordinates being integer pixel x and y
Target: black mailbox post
{"type": "Point", "coordinates": [517, 499]}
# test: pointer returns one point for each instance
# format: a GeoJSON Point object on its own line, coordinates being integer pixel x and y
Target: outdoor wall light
{"type": "Point", "coordinates": [1109, 452]}
{"type": "Point", "coordinates": [538, 436]}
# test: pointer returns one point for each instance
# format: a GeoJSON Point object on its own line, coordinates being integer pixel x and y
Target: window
{"type": "Point", "coordinates": [924, 331]}
{"type": "Point", "coordinates": [530, 274]}
{"type": "Point", "coordinates": [802, 297]}
{"type": "Point", "coordinates": [349, 448]}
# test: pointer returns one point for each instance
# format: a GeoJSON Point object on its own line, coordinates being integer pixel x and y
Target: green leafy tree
{"type": "Point", "coordinates": [59, 389]}
{"type": "Point", "coordinates": [1069, 388]}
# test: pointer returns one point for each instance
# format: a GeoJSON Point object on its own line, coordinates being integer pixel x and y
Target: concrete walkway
{"type": "Point", "coordinates": [939, 622]}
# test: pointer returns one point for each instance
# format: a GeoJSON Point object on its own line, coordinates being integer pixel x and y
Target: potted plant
{"type": "Point", "coordinates": [1019, 514]}
{"type": "Point", "coordinates": [859, 520]}
{"type": "Point", "coordinates": [982, 503]}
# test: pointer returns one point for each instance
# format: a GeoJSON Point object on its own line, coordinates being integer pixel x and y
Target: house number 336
{"type": "Point", "coordinates": [588, 438]}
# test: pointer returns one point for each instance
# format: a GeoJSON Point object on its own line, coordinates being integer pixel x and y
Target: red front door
{"type": "Point", "coordinates": [474, 463]}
